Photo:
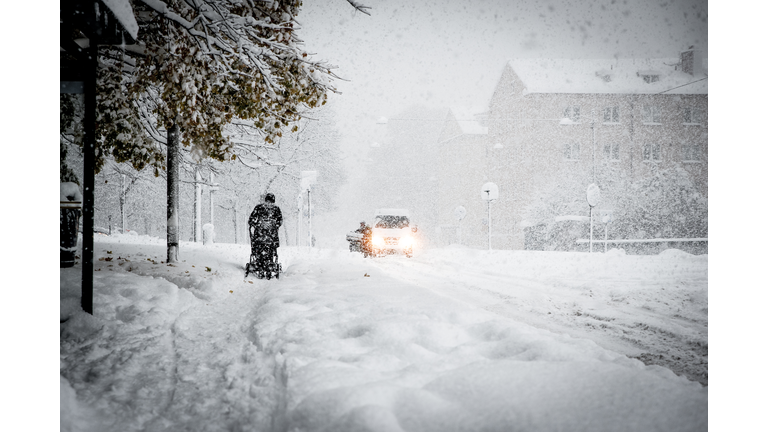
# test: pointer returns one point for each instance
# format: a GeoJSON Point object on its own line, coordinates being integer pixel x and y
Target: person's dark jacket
{"type": "Point", "coordinates": [367, 232]}
{"type": "Point", "coordinates": [265, 219]}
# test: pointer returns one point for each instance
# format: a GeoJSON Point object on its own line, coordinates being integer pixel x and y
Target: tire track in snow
{"type": "Point", "coordinates": [679, 344]}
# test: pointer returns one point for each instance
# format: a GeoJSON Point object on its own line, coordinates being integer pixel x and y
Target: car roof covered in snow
{"type": "Point", "coordinates": [392, 212]}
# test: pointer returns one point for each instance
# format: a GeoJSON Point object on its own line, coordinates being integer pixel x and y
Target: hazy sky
{"type": "Point", "coordinates": [443, 53]}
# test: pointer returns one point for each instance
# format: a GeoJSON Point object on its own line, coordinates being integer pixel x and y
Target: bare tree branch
{"type": "Point", "coordinates": [359, 7]}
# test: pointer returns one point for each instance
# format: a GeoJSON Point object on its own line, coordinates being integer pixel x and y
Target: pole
{"type": "Point", "coordinates": [590, 229]}
{"type": "Point", "coordinates": [309, 211]}
{"type": "Point", "coordinates": [212, 191]}
{"type": "Point", "coordinates": [89, 163]}
{"type": "Point", "coordinates": [234, 218]}
{"type": "Point", "coordinates": [198, 205]}
{"type": "Point", "coordinates": [593, 149]}
{"type": "Point", "coordinates": [489, 218]}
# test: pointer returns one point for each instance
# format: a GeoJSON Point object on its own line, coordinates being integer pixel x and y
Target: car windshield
{"type": "Point", "coordinates": [391, 222]}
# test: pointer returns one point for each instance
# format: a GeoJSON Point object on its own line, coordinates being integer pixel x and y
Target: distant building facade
{"type": "Point", "coordinates": [552, 121]}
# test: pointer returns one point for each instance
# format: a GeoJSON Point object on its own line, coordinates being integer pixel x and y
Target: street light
{"type": "Point", "coordinates": [593, 199]}
{"type": "Point", "coordinates": [489, 192]}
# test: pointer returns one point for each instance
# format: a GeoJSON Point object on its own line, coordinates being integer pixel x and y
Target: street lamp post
{"type": "Point", "coordinates": [593, 198]}
{"type": "Point", "coordinates": [489, 192]}
{"type": "Point", "coordinates": [489, 219]}
{"type": "Point", "coordinates": [592, 125]}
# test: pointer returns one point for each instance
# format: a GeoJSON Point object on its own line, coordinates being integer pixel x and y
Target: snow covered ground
{"type": "Point", "coordinates": [453, 339]}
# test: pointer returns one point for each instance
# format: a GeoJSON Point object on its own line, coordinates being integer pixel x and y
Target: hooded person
{"type": "Point", "coordinates": [265, 219]}
{"type": "Point", "coordinates": [365, 242]}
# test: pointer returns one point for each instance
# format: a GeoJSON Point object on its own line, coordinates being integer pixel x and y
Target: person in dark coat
{"type": "Point", "coordinates": [365, 242]}
{"type": "Point", "coordinates": [265, 219]}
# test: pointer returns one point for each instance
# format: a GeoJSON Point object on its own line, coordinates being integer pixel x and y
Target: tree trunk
{"type": "Point", "coordinates": [234, 218]}
{"type": "Point", "coordinates": [212, 189]}
{"type": "Point", "coordinates": [173, 194]}
{"type": "Point", "coordinates": [122, 202]}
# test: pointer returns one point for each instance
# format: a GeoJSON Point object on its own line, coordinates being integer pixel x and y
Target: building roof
{"type": "Point", "coordinates": [466, 118]}
{"type": "Point", "coordinates": [608, 76]}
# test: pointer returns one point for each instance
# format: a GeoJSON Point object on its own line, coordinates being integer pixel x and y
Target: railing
{"type": "Point", "coordinates": [661, 240]}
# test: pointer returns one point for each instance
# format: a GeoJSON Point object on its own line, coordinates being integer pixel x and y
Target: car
{"type": "Point", "coordinates": [392, 232]}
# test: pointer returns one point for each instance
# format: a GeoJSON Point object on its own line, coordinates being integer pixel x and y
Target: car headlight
{"type": "Point", "coordinates": [377, 241]}
{"type": "Point", "coordinates": [406, 241]}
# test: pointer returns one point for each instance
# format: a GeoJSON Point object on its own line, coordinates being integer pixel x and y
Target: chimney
{"type": "Point", "coordinates": [692, 61]}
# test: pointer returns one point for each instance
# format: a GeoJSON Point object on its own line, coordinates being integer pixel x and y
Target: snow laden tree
{"type": "Point", "coordinates": [663, 203]}
{"type": "Point", "coordinates": [261, 168]}
{"type": "Point", "coordinates": [200, 65]}
{"type": "Point", "coordinates": [69, 134]}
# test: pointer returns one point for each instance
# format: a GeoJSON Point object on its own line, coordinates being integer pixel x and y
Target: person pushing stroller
{"type": "Point", "coordinates": [265, 219]}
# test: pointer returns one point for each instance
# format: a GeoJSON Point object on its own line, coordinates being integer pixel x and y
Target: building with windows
{"type": "Point", "coordinates": [557, 122]}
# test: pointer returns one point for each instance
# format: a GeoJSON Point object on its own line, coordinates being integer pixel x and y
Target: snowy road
{"type": "Point", "coordinates": [639, 305]}
{"type": "Point", "coordinates": [451, 340]}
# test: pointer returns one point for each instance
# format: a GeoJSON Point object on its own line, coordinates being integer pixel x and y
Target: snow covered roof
{"type": "Point", "coordinates": [467, 120]}
{"type": "Point", "coordinates": [608, 76]}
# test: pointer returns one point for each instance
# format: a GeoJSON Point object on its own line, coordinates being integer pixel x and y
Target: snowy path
{"type": "Point", "coordinates": [341, 343]}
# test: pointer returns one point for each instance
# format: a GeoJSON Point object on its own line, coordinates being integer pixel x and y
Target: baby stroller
{"type": "Point", "coordinates": [263, 261]}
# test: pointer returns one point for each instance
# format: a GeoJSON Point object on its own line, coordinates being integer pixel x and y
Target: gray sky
{"type": "Point", "coordinates": [442, 53]}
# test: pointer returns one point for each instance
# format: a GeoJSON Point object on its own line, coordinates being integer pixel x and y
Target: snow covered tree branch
{"type": "Point", "coordinates": [204, 64]}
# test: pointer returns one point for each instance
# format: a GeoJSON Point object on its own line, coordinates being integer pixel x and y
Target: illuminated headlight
{"type": "Point", "coordinates": [377, 241]}
{"type": "Point", "coordinates": [406, 241]}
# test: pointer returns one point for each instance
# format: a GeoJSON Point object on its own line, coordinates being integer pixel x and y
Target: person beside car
{"type": "Point", "coordinates": [365, 241]}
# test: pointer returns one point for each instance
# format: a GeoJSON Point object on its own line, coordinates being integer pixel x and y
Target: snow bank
{"type": "Point", "coordinates": [342, 343]}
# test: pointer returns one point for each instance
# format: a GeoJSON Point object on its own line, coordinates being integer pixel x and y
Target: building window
{"type": "Point", "coordinates": [652, 152]}
{"type": "Point", "coordinates": [693, 115]}
{"type": "Point", "coordinates": [571, 151]}
{"type": "Point", "coordinates": [691, 153]}
{"type": "Point", "coordinates": [651, 114]}
{"type": "Point", "coordinates": [611, 114]}
{"type": "Point", "coordinates": [611, 151]}
{"type": "Point", "coordinates": [572, 113]}
{"type": "Point", "coordinates": [604, 74]}
{"type": "Point", "coordinates": [650, 78]}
